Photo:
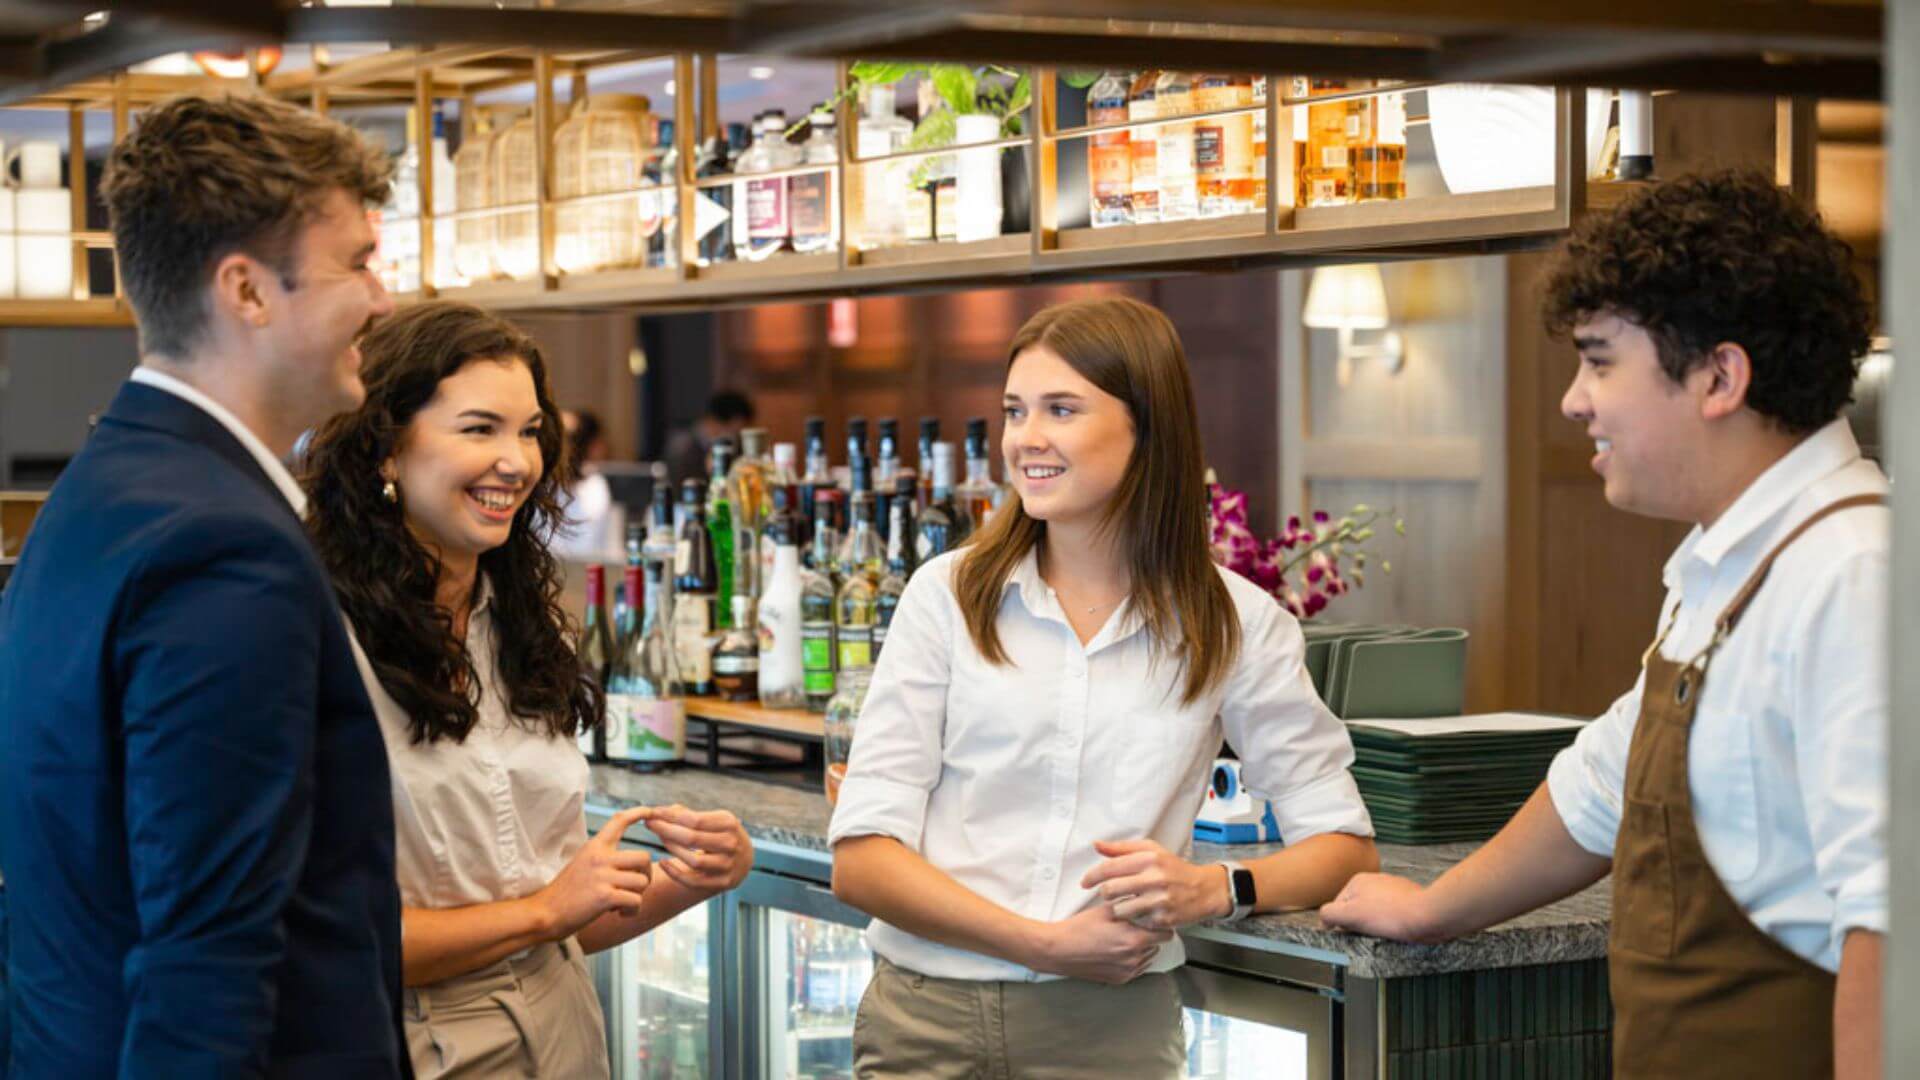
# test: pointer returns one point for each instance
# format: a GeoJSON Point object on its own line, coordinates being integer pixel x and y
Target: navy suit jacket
{"type": "Point", "coordinates": [196, 821]}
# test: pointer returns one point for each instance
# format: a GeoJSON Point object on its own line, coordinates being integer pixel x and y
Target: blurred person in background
{"type": "Point", "coordinates": [729, 412]}
{"type": "Point", "coordinates": [593, 526]}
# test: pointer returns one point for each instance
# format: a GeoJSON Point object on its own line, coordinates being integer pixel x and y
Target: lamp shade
{"type": "Point", "coordinates": [1347, 297]}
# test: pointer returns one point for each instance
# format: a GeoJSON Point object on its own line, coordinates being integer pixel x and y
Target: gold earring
{"type": "Point", "coordinates": [390, 492]}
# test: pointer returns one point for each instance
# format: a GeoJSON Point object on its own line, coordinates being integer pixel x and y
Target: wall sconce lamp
{"type": "Point", "coordinates": [1349, 298]}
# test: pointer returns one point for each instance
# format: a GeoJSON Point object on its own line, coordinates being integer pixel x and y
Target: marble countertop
{"type": "Point", "coordinates": [1573, 929]}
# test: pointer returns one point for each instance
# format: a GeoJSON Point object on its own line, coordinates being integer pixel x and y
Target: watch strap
{"type": "Point", "coordinates": [1239, 889]}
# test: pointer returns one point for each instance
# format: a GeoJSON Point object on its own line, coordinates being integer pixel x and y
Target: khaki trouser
{"type": "Point", "coordinates": [918, 1026]}
{"type": "Point", "coordinates": [536, 1016]}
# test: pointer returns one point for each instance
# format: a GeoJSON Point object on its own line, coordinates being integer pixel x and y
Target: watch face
{"type": "Point", "coordinates": [1243, 887]}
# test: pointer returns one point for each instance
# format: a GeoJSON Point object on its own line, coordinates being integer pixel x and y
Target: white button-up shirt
{"type": "Point", "coordinates": [1004, 776]}
{"type": "Point", "coordinates": [1787, 763]}
{"type": "Point", "coordinates": [495, 817]}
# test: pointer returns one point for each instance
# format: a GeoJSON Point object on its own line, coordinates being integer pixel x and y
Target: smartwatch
{"type": "Point", "coordinates": [1240, 887]}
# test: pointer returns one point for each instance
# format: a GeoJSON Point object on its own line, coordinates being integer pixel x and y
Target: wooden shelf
{"type": "Point", "coordinates": [97, 311]}
{"type": "Point", "coordinates": [799, 722]}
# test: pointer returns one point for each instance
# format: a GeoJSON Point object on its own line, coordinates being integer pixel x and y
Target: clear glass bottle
{"type": "Point", "coordinates": [1173, 157]}
{"type": "Point", "coordinates": [747, 485]}
{"type": "Point", "coordinates": [646, 691]}
{"type": "Point", "coordinates": [843, 715]}
{"type": "Point", "coordinates": [782, 480]}
{"type": "Point", "coordinates": [942, 524]}
{"type": "Point", "coordinates": [596, 657]}
{"type": "Point", "coordinates": [769, 222]}
{"type": "Point", "coordinates": [1110, 156]}
{"type": "Point", "coordinates": [902, 546]}
{"type": "Point", "coordinates": [1223, 145]}
{"type": "Point", "coordinates": [860, 483]}
{"type": "Point", "coordinates": [736, 660]}
{"type": "Point", "coordinates": [883, 131]}
{"type": "Point", "coordinates": [817, 594]}
{"type": "Point", "coordinates": [885, 466]}
{"type": "Point", "coordinates": [782, 671]}
{"type": "Point", "coordinates": [817, 476]}
{"type": "Point", "coordinates": [1144, 147]}
{"type": "Point", "coordinates": [929, 434]}
{"type": "Point", "coordinates": [814, 198]}
{"type": "Point", "coordinates": [695, 587]}
{"type": "Point", "coordinates": [1380, 158]}
{"type": "Point", "coordinates": [979, 496]}
{"type": "Point", "coordinates": [720, 517]}
{"type": "Point", "coordinates": [856, 607]}
{"type": "Point", "coordinates": [616, 740]}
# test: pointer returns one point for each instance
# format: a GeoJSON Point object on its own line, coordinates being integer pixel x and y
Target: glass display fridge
{"type": "Point", "coordinates": [763, 984]}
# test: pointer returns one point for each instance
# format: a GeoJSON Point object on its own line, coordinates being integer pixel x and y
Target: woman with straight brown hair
{"type": "Point", "coordinates": [1040, 730]}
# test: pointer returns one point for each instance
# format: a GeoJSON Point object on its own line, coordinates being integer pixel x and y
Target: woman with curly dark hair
{"type": "Point", "coordinates": [431, 507]}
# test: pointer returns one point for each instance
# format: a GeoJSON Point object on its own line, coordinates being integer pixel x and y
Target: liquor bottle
{"type": "Point", "coordinates": [596, 658]}
{"type": "Point", "coordinates": [720, 518]}
{"type": "Point", "coordinates": [625, 599]}
{"type": "Point", "coordinates": [1109, 156]}
{"type": "Point", "coordinates": [695, 586]}
{"type": "Point", "coordinates": [929, 434]}
{"type": "Point", "coordinates": [736, 661]}
{"type": "Point", "coordinates": [1380, 159]}
{"type": "Point", "coordinates": [817, 594]}
{"type": "Point", "coordinates": [903, 516]}
{"type": "Point", "coordinates": [713, 206]}
{"type": "Point", "coordinates": [942, 524]}
{"type": "Point", "coordinates": [1173, 157]}
{"type": "Point", "coordinates": [1144, 145]}
{"type": "Point", "coordinates": [626, 631]}
{"type": "Point", "coordinates": [782, 479]}
{"type": "Point", "coordinates": [860, 485]}
{"type": "Point", "coordinates": [645, 691]}
{"type": "Point", "coordinates": [817, 475]}
{"type": "Point", "coordinates": [884, 131]}
{"type": "Point", "coordinates": [769, 227]}
{"type": "Point", "coordinates": [884, 468]}
{"type": "Point", "coordinates": [663, 528]}
{"type": "Point", "coordinates": [782, 671]}
{"type": "Point", "coordinates": [900, 566]}
{"type": "Point", "coordinates": [1260, 144]}
{"type": "Point", "coordinates": [1223, 145]}
{"type": "Point", "coordinates": [855, 609]}
{"type": "Point", "coordinates": [979, 496]}
{"type": "Point", "coordinates": [823, 539]}
{"type": "Point", "coordinates": [1332, 130]}
{"type": "Point", "coordinates": [813, 198]}
{"type": "Point", "coordinates": [747, 485]}
{"type": "Point", "coordinates": [857, 447]}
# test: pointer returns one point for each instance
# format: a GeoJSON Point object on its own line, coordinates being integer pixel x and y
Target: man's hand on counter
{"type": "Point", "coordinates": [1384, 906]}
{"type": "Point", "coordinates": [1156, 889]}
{"type": "Point", "coordinates": [711, 851]}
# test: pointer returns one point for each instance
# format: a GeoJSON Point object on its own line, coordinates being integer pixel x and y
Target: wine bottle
{"type": "Point", "coordinates": [736, 662]}
{"type": "Point", "coordinates": [979, 495]}
{"type": "Point", "coordinates": [596, 659]}
{"type": "Point", "coordinates": [942, 525]}
{"type": "Point", "coordinates": [646, 691]}
{"type": "Point", "coordinates": [929, 434]}
{"type": "Point", "coordinates": [626, 633]}
{"type": "Point", "coordinates": [816, 611]}
{"type": "Point", "coordinates": [695, 587]}
{"type": "Point", "coordinates": [856, 606]}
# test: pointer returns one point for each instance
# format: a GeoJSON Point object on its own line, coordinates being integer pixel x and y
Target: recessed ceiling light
{"type": "Point", "coordinates": [95, 19]}
{"type": "Point", "coordinates": [761, 72]}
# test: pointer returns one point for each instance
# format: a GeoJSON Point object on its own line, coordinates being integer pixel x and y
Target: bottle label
{"type": "Point", "coordinates": [767, 209]}
{"type": "Point", "coordinates": [856, 648]}
{"type": "Point", "coordinates": [692, 623]}
{"type": "Point", "coordinates": [816, 657]}
{"type": "Point", "coordinates": [879, 639]}
{"type": "Point", "coordinates": [656, 728]}
{"type": "Point", "coordinates": [1333, 157]}
{"type": "Point", "coordinates": [1209, 150]}
{"type": "Point", "coordinates": [726, 664]}
{"type": "Point", "coordinates": [781, 665]}
{"type": "Point", "coordinates": [616, 724]}
{"type": "Point", "coordinates": [808, 203]}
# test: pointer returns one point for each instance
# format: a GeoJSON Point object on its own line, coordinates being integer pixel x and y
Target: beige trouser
{"type": "Point", "coordinates": [536, 1016]}
{"type": "Point", "coordinates": [917, 1026]}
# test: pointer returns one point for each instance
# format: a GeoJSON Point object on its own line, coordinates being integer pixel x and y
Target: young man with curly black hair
{"type": "Point", "coordinates": [1738, 791]}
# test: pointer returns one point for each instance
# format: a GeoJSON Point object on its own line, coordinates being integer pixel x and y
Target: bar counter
{"type": "Point", "coordinates": [1525, 998]}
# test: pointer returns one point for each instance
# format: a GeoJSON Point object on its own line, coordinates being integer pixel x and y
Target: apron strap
{"type": "Point", "coordinates": [1725, 623]}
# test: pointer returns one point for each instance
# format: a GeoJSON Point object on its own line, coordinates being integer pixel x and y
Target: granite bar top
{"type": "Point", "coordinates": [1573, 929]}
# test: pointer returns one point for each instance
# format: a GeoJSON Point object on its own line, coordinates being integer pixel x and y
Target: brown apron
{"type": "Point", "coordinates": [1698, 989]}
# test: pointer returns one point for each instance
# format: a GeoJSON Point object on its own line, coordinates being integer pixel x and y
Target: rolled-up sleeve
{"type": "Point", "coordinates": [1292, 749]}
{"type": "Point", "coordinates": [896, 756]}
{"type": "Point", "coordinates": [1840, 711]}
{"type": "Point", "coordinates": [1586, 779]}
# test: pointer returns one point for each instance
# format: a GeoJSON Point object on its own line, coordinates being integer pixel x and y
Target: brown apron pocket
{"type": "Point", "coordinates": [1643, 890]}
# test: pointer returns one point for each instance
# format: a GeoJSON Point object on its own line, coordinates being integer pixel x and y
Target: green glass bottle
{"type": "Point", "coordinates": [720, 525]}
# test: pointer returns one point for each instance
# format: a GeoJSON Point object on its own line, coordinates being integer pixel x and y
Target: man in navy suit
{"type": "Point", "coordinates": [196, 820]}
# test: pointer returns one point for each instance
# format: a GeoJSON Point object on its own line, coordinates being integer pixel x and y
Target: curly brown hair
{"type": "Point", "coordinates": [386, 580]}
{"type": "Point", "coordinates": [203, 177]}
{"type": "Point", "coordinates": [1725, 257]}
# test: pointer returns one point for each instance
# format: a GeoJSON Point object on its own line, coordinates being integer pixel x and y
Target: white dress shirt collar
{"type": "Point", "coordinates": [269, 464]}
{"type": "Point", "coordinates": [1818, 456]}
{"type": "Point", "coordinates": [1042, 601]}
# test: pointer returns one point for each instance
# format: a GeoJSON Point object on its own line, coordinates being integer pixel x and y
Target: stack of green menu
{"type": "Point", "coordinates": [1453, 778]}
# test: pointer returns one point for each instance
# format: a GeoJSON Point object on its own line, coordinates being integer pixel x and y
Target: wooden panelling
{"type": "Point", "coordinates": [587, 368]}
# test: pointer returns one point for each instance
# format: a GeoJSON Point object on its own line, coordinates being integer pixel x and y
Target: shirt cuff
{"type": "Point", "coordinates": [1862, 904]}
{"type": "Point", "coordinates": [1328, 804]}
{"type": "Point", "coordinates": [1579, 806]}
{"type": "Point", "coordinates": [871, 806]}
